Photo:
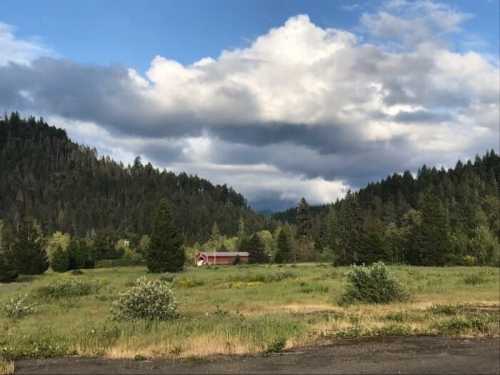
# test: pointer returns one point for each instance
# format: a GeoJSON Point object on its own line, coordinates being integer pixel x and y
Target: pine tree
{"type": "Point", "coordinates": [31, 257]}
{"type": "Point", "coordinates": [8, 270]}
{"type": "Point", "coordinates": [304, 222]}
{"type": "Point", "coordinates": [430, 242]}
{"type": "Point", "coordinates": [79, 255]}
{"type": "Point", "coordinates": [349, 231]}
{"type": "Point", "coordinates": [59, 260]}
{"type": "Point", "coordinates": [256, 250]}
{"type": "Point", "coordinates": [165, 252]}
{"type": "Point", "coordinates": [373, 247]}
{"type": "Point", "coordinates": [104, 246]}
{"type": "Point", "coordinates": [284, 245]}
{"type": "Point", "coordinates": [304, 246]}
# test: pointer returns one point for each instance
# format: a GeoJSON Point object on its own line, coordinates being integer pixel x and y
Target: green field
{"type": "Point", "coordinates": [244, 309]}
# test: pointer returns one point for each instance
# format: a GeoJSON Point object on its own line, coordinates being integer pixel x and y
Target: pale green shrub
{"type": "Point", "coordinates": [148, 299]}
{"type": "Point", "coordinates": [18, 307]}
{"type": "Point", "coordinates": [372, 284]}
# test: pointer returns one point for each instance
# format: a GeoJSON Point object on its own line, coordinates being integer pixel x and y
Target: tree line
{"type": "Point", "coordinates": [67, 187]}
{"type": "Point", "coordinates": [61, 205]}
{"type": "Point", "coordinates": [438, 217]}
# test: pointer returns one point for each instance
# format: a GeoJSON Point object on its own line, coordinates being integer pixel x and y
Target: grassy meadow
{"type": "Point", "coordinates": [241, 310]}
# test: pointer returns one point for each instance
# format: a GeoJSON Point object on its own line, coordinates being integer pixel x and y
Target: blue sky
{"type": "Point", "coordinates": [279, 99]}
{"type": "Point", "coordinates": [132, 32]}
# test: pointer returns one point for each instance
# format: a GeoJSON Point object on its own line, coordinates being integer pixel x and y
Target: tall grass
{"type": "Point", "coordinates": [238, 310]}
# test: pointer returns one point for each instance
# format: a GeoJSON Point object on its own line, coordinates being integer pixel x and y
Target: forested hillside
{"type": "Point", "coordinates": [437, 217]}
{"type": "Point", "coordinates": [68, 187]}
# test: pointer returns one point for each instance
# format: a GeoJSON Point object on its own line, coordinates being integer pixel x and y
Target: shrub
{"type": "Point", "coordinates": [469, 261]}
{"type": "Point", "coordinates": [59, 260]}
{"type": "Point", "coordinates": [372, 284]}
{"type": "Point", "coordinates": [277, 345]}
{"type": "Point", "coordinates": [69, 288]}
{"type": "Point", "coordinates": [479, 323]}
{"type": "Point", "coordinates": [392, 330]}
{"type": "Point", "coordinates": [148, 299]}
{"type": "Point", "coordinates": [35, 346]}
{"type": "Point", "coordinates": [17, 307]}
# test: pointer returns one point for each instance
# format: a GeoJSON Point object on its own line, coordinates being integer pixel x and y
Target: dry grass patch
{"type": "Point", "coordinates": [198, 346]}
{"type": "Point", "coordinates": [7, 367]}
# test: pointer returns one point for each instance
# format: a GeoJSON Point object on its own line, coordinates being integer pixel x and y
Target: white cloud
{"type": "Point", "coordinates": [16, 50]}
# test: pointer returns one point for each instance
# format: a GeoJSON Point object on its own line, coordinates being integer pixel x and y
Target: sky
{"type": "Point", "coordinates": [278, 99]}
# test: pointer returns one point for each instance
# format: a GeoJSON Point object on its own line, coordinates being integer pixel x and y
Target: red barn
{"type": "Point", "coordinates": [220, 258]}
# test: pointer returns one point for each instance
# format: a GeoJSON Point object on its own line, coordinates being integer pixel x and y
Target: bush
{"type": "Point", "coordinates": [478, 323]}
{"type": "Point", "coordinates": [372, 284]}
{"type": "Point", "coordinates": [277, 345]}
{"type": "Point", "coordinates": [17, 307]}
{"type": "Point", "coordinates": [69, 288]}
{"type": "Point", "coordinates": [59, 260]}
{"type": "Point", "coordinates": [148, 299]}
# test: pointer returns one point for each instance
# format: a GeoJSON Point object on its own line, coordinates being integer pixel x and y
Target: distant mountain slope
{"type": "Point", "coordinates": [395, 195]}
{"type": "Point", "coordinates": [66, 186]}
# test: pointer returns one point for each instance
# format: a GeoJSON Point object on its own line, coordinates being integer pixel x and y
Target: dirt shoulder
{"type": "Point", "coordinates": [403, 355]}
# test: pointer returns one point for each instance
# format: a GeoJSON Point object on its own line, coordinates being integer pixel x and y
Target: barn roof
{"type": "Point", "coordinates": [225, 253]}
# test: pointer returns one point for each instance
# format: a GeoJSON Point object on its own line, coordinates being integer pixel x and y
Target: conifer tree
{"type": "Point", "coordinates": [59, 260]}
{"type": "Point", "coordinates": [304, 224]}
{"type": "Point", "coordinates": [8, 270]}
{"type": "Point", "coordinates": [256, 250]}
{"type": "Point", "coordinates": [373, 247]}
{"type": "Point", "coordinates": [79, 255]}
{"type": "Point", "coordinates": [165, 252]}
{"type": "Point", "coordinates": [429, 243]}
{"type": "Point", "coordinates": [30, 254]}
{"type": "Point", "coordinates": [284, 245]}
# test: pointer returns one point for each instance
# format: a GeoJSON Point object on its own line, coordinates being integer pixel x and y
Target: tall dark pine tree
{"type": "Point", "coordinates": [256, 249]}
{"type": "Point", "coordinates": [373, 247]}
{"type": "Point", "coordinates": [30, 255]}
{"type": "Point", "coordinates": [349, 232]}
{"type": "Point", "coordinates": [8, 270]}
{"type": "Point", "coordinates": [304, 221]}
{"type": "Point", "coordinates": [429, 243]}
{"type": "Point", "coordinates": [284, 244]}
{"type": "Point", "coordinates": [165, 252]}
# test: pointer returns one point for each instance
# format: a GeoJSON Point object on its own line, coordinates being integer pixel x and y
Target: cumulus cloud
{"type": "Point", "coordinates": [302, 110]}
